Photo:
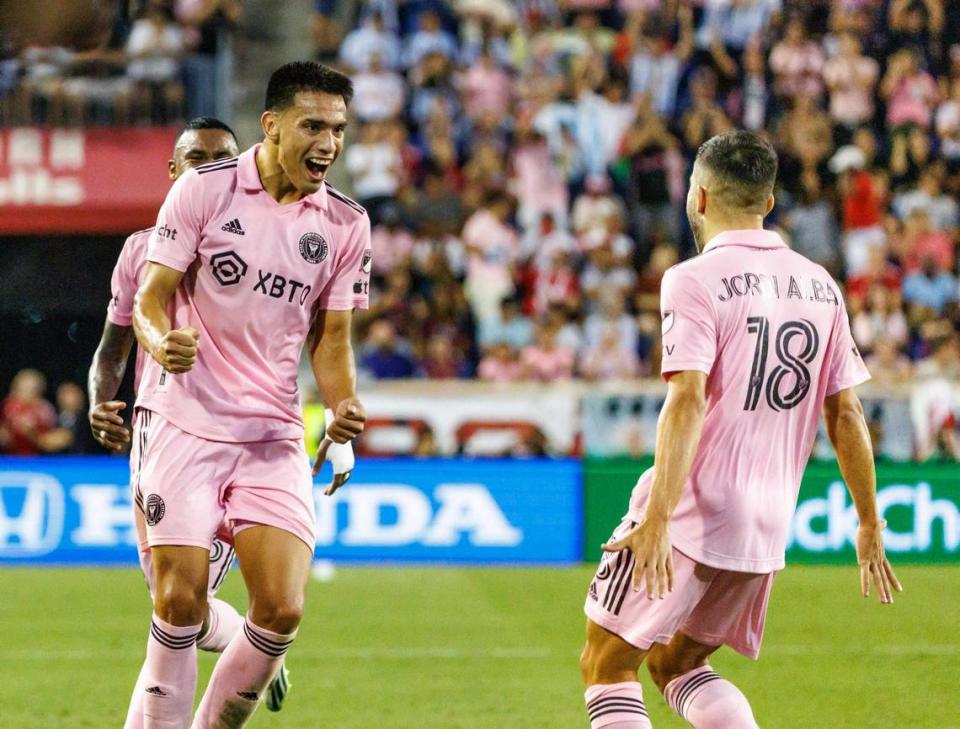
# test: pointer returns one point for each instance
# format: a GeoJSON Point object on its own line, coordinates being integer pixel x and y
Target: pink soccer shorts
{"type": "Point", "coordinates": [188, 486]}
{"type": "Point", "coordinates": [713, 606]}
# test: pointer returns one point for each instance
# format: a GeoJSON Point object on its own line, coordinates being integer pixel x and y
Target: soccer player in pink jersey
{"type": "Point", "coordinates": [200, 141]}
{"type": "Point", "coordinates": [250, 259]}
{"type": "Point", "coordinates": [756, 344]}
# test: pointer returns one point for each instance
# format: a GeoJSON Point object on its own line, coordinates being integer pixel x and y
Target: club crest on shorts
{"type": "Point", "coordinates": [313, 247]}
{"type": "Point", "coordinates": [367, 260]}
{"type": "Point", "coordinates": [155, 510]}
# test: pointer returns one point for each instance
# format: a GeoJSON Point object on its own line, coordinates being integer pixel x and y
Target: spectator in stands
{"type": "Point", "coordinates": [797, 63]}
{"type": "Point", "coordinates": [929, 288]}
{"type": "Point", "coordinates": [924, 242]}
{"type": "Point", "coordinates": [324, 30]}
{"type": "Point", "coordinates": [878, 318]}
{"type": "Point", "coordinates": [852, 78]}
{"type": "Point", "coordinates": [486, 87]}
{"type": "Point", "coordinates": [656, 64]}
{"type": "Point", "coordinates": [546, 360]}
{"type": "Point", "coordinates": [72, 424]}
{"type": "Point", "coordinates": [492, 247]}
{"type": "Point", "coordinates": [374, 165]}
{"type": "Point", "coordinates": [609, 359]}
{"type": "Point", "coordinates": [593, 208]}
{"type": "Point", "coordinates": [942, 209]}
{"type": "Point", "coordinates": [42, 85]}
{"type": "Point", "coordinates": [861, 203]}
{"type": "Point", "coordinates": [888, 366]}
{"type": "Point", "coordinates": [391, 242]}
{"type": "Point", "coordinates": [910, 92]}
{"type": "Point", "coordinates": [511, 327]}
{"type": "Point", "coordinates": [26, 418]}
{"type": "Point", "coordinates": [948, 124]}
{"type": "Point", "coordinates": [437, 208]}
{"type": "Point", "coordinates": [812, 224]}
{"type": "Point", "coordinates": [442, 361]}
{"type": "Point", "coordinates": [155, 46]}
{"type": "Point", "coordinates": [755, 97]}
{"type": "Point", "coordinates": [369, 40]}
{"type": "Point", "coordinates": [705, 118]}
{"type": "Point", "coordinates": [384, 356]}
{"type": "Point", "coordinates": [610, 314]}
{"type": "Point", "coordinates": [500, 364]}
{"type": "Point", "coordinates": [379, 93]}
{"type": "Point", "coordinates": [208, 68]}
{"type": "Point", "coordinates": [933, 403]}
{"type": "Point", "coordinates": [652, 156]}
{"type": "Point", "coordinates": [538, 181]}
{"type": "Point", "coordinates": [910, 153]}
{"type": "Point", "coordinates": [430, 38]}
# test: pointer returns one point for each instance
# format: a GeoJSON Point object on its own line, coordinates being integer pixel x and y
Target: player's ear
{"type": "Point", "coordinates": [270, 122]}
{"type": "Point", "coordinates": [701, 199]}
{"type": "Point", "coordinates": [770, 203]}
{"type": "Point", "coordinates": [172, 169]}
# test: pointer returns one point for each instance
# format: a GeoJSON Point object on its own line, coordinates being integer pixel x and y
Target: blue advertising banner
{"type": "Point", "coordinates": [76, 510]}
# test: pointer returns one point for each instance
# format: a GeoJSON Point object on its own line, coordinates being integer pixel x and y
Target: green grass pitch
{"type": "Point", "coordinates": [441, 648]}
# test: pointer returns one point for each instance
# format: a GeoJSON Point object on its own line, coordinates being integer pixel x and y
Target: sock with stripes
{"type": "Point", "coordinates": [242, 675]}
{"type": "Point", "coordinates": [708, 701]}
{"type": "Point", "coordinates": [169, 675]}
{"type": "Point", "coordinates": [617, 706]}
{"type": "Point", "coordinates": [223, 623]}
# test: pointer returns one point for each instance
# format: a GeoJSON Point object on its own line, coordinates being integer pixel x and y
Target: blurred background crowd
{"type": "Point", "coordinates": [525, 163]}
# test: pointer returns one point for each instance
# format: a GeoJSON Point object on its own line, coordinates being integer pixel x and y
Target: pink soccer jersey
{"type": "Point", "coordinates": [123, 288]}
{"type": "Point", "coordinates": [769, 328]}
{"type": "Point", "coordinates": [256, 273]}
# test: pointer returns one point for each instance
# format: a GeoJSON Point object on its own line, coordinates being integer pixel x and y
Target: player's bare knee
{"type": "Point", "coordinates": [600, 665]}
{"type": "Point", "coordinates": [660, 670]}
{"type": "Point", "coordinates": [180, 603]}
{"type": "Point", "coordinates": [280, 615]}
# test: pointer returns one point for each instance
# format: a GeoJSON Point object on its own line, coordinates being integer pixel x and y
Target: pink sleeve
{"type": "Point", "coordinates": [349, 286]}
{"type": "Point", "coordinates": [175, 240]}
{"type": "Point", "coordinates": [123, 286]}
{"type": "Point", "coordinates": [689, 324]}
{"type": "Point", "coordinates": [846, 368]}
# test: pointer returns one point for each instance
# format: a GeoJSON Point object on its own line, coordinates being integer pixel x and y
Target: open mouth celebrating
{"type": "Point", "coordinates": [317, 168]}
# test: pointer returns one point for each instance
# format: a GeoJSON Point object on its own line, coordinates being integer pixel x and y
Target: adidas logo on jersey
{"type": "Point", "coordinates": [233, 226]}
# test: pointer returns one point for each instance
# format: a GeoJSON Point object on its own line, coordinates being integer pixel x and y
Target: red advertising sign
{"type": "Point", "coordinates": [99, 180]}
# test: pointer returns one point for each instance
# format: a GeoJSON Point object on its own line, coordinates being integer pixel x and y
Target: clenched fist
{"type": "Point", "coordinates": [177, 350]}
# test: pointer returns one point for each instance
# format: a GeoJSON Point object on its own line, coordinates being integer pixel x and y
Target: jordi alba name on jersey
{"type": "Point", "coordinates": [769, 329]}
{"type": "Point", "coordinates": [255, 274]}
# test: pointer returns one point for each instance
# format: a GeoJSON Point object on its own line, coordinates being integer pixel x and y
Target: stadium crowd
{"type": "Point", "coordinates": [525, 165]}
{"type": "Point", "coordinates": [159, 62]}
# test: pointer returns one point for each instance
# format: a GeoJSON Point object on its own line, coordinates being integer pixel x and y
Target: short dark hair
{"type": "Point", "coordinates": [744, 165]}
{"type": "Point", "coordinates": [297, 76]}
{"type": "Point", "coordinates": [206, 122]}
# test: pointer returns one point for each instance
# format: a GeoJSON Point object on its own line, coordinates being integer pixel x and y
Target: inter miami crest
{"type": "Point", "coordinates": [313, 247]}
{"type": "Point", "coordinates": [155, 510]}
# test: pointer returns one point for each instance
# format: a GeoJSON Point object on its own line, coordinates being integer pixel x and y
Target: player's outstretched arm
{"type": "Point", "coordinates": [847, 428]}
{"type": "Point", "coordinates": [174, 349]}
{"type": "Point", "coordinates": [331, 355]}
{"type": "Point", "coordinates": [103, 382]}
{"type": "Point", "coordinates": [678, 437]}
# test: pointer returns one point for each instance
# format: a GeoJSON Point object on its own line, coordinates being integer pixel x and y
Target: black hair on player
{"type": "Point", "coordinates": [743, 166]}
{"type": "Point", "coordinates": [206, 122]}
{"type": "Point", "coordinates": [297, 76]}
